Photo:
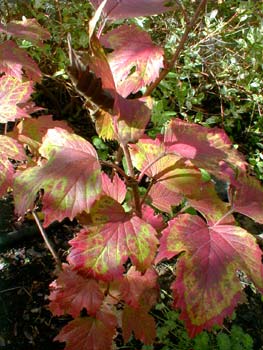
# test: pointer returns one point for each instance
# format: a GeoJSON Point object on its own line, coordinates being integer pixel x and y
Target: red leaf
{"type": "Point", "coordinates": [115, 188]}
{"type": "Point", "coordinates": [156, 220]}
{"type": "Point", "coordinates": [12, 93]}
{"type": "Point", "coordinates": [150, 156]}
{"type": "Point", "coordinates": [71, 292]}
{"type": "Point", "coordinates": [31, 131]}
{"type": "Point", "coordinates": [205, 147]}
{"type": "Point", "coordinates": [139, 322]}
{"type": "Point", "coordinates": [132, 8]}
{"type": "Point", "coordinates": [132, 118]}
{"type": "Point", "coordinates": [207, 288]}
{"type": "Point", "coordinates": [133, 49]}
{"type": "Point", "coordinates": [13, 60]}
{"type": "Point", "coordinates": [140, 290]}
{"type": "Point", "coordinates": [103, 249]}
{"type": "Point", "coordinates": [9, 148]}
{"type": "Point", "coordinates": [163, 198]}
{"type": "Point", "coordinates": [27, 29]}
{"type": "Point", "coordinates": [248, 198]}
{"type": "Point", "coordinates": [129, 117]}
{"type": "Point", "coordinates": [6, 175]}
{"type": "Point", "coordinates": [71, 178]}
{"type": "Point", "coordinates": [89, 333]}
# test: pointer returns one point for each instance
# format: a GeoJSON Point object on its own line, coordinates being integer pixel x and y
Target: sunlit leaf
{"type": "Point", "coordinates": [205, 147]}
{"type": "Point", "coordinates": [12, 93]}
{"type": "Point", "coordinates": [156, 220]}
{"type": "Point", "coordinates": [133, 49]}
{"type": "Point", "coordinates": [114, 188]}
{"type": "Point", "coordinates": [9, 149]}
{"type": "Point", "coordinates": [31, 131]}
{"type": "Point", "coordinates": [132, 8]}
{"type": "Point", "coordinates": [71, 177]}
{"type": "Point", "coordinates": [27, 29]}
{"type": "Point", "coordinates": [207, 288]}
{"type": "Point", "coordinates": [248, 198]}
{"type": "Point", "coordinates": [115, 236]}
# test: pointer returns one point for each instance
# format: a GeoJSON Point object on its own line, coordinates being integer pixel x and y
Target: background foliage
{"type": "Point", "coordinates": [216, 82]}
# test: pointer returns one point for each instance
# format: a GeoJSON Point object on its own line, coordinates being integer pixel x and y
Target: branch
{"type": "Point", "coordinates": [44, 235]}
{"type": "Point", "coordinates": [179, 49]}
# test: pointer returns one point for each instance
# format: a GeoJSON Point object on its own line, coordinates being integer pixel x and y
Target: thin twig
{"type": "Point", "coordinates": [44, 235]}
{"type": "Point", "coordinates": [179, 49]}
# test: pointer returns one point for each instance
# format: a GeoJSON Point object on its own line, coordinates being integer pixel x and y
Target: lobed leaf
{"type": "Point", "coordinates": [31, 131]}
{"type": "Point", "coordinates": [207, 288]}
{"type": "Point", "coordinates": [149, 215]}
{"type": "Point", "coordinates": [89, 333]}
{"type": "Point", "coordinates": [139, 322]}
{"type": "Point", "coordinates": [71, 292]}
{"type": "Point", "coordinates": [140, 290]}
{"type": "Point", "coordinates": [103, 249]}
{"type": "Point", "coordinates": [71, 177]}
{"type": "Point", "coordinates": [115, 9]}
{"type": "Point", "coordinates": [27, 29]}
{"type": "Point", "coordinates": [150, 156]}
{"type": "Point", "coordinates": [248, 198]}
{"type": "Point", "coordinates": [114, 188]}
{"type": "Point", "coordinates": [9, 149]}
{"type": "Point", "coordinates": [6, 175]}
{"type": "Point", "coordinates": [13, 60]}
{"type": "Point", "coordinates": [12, 93]}
{"type": "Point", "coordinates": [205, 147]}
{"type": "Point", "coordinates": [133, 50]}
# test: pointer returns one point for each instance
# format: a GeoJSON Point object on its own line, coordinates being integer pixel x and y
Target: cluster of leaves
{"type": "Point", "coordinates": [218, 78]}
{"type": "Point", "coordinates": [126, 206]}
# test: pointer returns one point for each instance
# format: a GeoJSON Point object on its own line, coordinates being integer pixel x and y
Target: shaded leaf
{"type": "Point", "coordinates": [12, 93]}
{"type": "Point", "coordinates": [103, 249]}
{"type": "Point", "coordinates": [89, 333]}
{"type": "Point", "coordinates": [13, 60]}
{"type": "Point", "coordinates": [70, 178]}
{"type": "Point", "coordinates": [139, 322]}
{"type": "Point", "coordinates": [71, 292]}
{"type": "Point", "coordinates": [132, 8]}
{"type": "Point", "coordinates": [140, 290]}
{"type": "Point", "coordinates": [132, 118]}
{"type": "Point", "coordinates": [133, 49]}
{"type": "Point", "coordinates": [27, 29]}
{"type": "Point", "coordinates": [207, 288]}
